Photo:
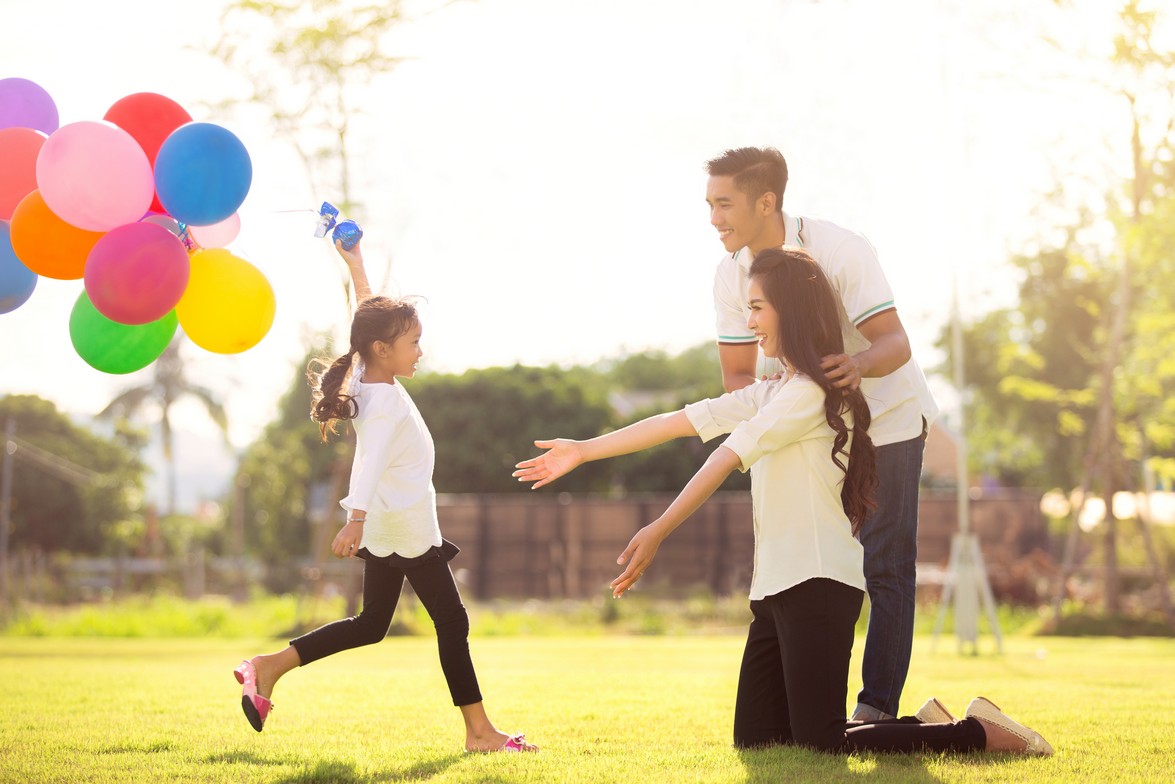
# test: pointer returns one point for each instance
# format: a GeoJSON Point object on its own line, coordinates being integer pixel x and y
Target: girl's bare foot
{"type": "Point", "coordinates": [271, 667]}
{"type": "Point", "coordinates": [493, 740]}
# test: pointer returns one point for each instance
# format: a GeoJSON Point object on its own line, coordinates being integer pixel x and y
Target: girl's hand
{"type": "Point", "coordinates": [638, 555]}
{"type": "Point", "coordinates": [562, 456]}
{"type": "Point", "coordinates": [347, 540]}
{"type": "Point", "coordinates": [353, 257]}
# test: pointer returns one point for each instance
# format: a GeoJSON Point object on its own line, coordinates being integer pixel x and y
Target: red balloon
{"type": "Point", "coordinates": [18, 174]}
{"type": "Point", "coordinates": [149, 118]}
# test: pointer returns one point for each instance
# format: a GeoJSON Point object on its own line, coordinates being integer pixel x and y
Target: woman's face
{"type": "Point", "coordinates": [764, 321]}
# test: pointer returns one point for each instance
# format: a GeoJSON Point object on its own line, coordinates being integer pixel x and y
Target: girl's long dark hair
{"type": "Point", "coordinates": [376, 318]}
{"type": "Point", "coordinates": [810, 329]}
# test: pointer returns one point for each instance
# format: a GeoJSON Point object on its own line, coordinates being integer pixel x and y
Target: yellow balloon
{"type": "Point", "coordinates": [228, 306]}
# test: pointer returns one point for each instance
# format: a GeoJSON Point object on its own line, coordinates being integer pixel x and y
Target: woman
{"type": "Point", "coordinates": [811, 489]}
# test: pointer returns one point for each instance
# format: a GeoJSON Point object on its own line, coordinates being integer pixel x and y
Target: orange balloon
{"type": "Point", "coordinates": [48, 245]}
{"type": "Point", "coordinates": [18, 175]}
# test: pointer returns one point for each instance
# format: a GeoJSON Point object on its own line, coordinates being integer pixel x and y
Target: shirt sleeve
{"type": "Point", "coordinates": [757, 428]}
{"type": "Point", "coordinates": [379, 433]}
{"type": "Point", "coordinates": [859, 279]}
{"type": "Point", "coordinates": [730, 318]}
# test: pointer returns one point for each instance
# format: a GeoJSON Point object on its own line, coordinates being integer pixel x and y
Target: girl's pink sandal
{"type": "Point", "coordinates": [256, 707]}
{"type": "Point", "coordinates": [518, 743]}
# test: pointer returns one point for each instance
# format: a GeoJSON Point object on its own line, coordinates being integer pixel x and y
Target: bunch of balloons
{"type": "Point", "coordinates": [140, 206]}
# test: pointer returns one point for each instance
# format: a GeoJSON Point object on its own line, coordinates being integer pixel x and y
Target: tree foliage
{"type": "Point", "coordinates": [72, 490]}
{"type": "Point", "coordinates": [285, 477]}
{"type": "Point", "coordinates": [167, 384]}
{"type": "Point", "coordinates": [485, 421]}
{"type": "Point", "coordinates": [305, 60]}
{"type": "Point", "coordinates": [482, 422]}
{"type": "Point", "coordinates": [1094, 318]}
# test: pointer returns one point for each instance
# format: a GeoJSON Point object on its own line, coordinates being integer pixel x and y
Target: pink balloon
{"type": "Point", "coordinates": [95, 176]}
{"type": "Point", "coordinates": [137, 273]}
{"type": "Point", "coordinates": [218, 234]}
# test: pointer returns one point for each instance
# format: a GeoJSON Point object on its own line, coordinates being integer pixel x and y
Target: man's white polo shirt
{"type": "Point", "coordinates": [899, 401]}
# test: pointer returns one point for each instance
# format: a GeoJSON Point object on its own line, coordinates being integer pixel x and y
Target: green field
{"type": "Point", "coordinates": [603, 709]}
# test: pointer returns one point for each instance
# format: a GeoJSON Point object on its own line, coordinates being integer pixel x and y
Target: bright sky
{"type": "Point", "coordinates": [536, 169]}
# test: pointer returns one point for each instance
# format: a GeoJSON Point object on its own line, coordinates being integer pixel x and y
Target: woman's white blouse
{"type": "Point", "coordinates": [391, 476]}
{"type": "Point", "coordinates": [801, 530]}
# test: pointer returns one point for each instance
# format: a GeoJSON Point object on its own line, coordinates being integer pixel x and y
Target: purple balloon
{"type": "Point", "coordinates": [25, 104]}
{"type": "Point", "coordinates": [137, 273]}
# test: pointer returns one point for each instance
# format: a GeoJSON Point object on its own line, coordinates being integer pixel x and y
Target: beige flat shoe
{"type": "Point", "coordinates": [986, 711]}
{"type": "Point", "coordinates": [934, 712]}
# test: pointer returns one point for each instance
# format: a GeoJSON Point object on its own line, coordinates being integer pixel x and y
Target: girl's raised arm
{"type": "Point", "coordinates": [354, 260]}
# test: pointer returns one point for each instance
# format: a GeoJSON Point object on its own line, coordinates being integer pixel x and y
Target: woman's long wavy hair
{"type": "Point", "coordinates": [810, 329]}
{"type": "Point", "coordinates": [376, 318]}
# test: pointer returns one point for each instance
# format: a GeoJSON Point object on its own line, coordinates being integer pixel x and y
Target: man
{"type": "Point", "coordinates": [745, 194]}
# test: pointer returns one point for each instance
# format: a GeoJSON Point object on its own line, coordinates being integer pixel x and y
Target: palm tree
{"type": "Point", "coordinates": [167, 385]}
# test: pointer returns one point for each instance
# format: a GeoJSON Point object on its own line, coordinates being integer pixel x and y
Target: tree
{"type": "Point", "coordinates": [71, 489]}
{"type": "Point", "coordinates": [167, 385]}
{"type": "Point", "coordinates": [482, 422]}
{"type": "Point", "coordinates": [1030, 369]}
{"type": "Point", "coordinates": [1088, 352]}
{"type": "Point", "coordinates": [485, 421]}
{"type": "Point", "coordinates": [284, 478]}
{"type": "Point", "coordinates": [662, 382]}
{"type": "Point", "coordinates": [308, 62]}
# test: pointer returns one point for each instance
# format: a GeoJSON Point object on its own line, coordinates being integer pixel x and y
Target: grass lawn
{"type": "Point", "coordinates": [603, 709]}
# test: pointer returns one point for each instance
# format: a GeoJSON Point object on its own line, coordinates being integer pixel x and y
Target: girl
{"type": "Point", "coordinates": [811, 490]}
{"type": "Point", "coordinates": [391, 514]}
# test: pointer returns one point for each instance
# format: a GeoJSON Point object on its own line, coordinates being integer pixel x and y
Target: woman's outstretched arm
{"type": "Point", "coordinates": [563, 455]}
{"type": "Point", "coordinates": [643, 547]}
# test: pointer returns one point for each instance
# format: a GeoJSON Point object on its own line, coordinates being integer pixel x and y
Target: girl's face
{"type": "Point", "coordinates": [399, 357]}
{"type": "Point", "coordinates": [764, 321]}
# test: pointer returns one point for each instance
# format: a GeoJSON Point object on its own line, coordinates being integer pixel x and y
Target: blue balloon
{"type": "Point", "coordinates": [16, 280]}
{"type": "Point", "coordinates": [202, 174]}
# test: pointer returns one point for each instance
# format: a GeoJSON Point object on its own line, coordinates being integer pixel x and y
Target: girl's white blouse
{"type": "Point", "coordinates": [391, 476]}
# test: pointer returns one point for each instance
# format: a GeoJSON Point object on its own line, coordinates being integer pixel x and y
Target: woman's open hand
{"type": "Point", "coordinates": [562, 456]}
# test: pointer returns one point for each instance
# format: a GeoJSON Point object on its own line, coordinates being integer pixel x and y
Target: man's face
{"type": "Point", "coordinates": [740, 220]}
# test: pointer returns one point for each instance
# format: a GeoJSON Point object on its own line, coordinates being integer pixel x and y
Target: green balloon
{"type": "Point", "coordinates": [117, 348]}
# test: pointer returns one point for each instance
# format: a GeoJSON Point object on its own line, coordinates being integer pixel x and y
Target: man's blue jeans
{"type": "Point", "coordinates": [890, 539]}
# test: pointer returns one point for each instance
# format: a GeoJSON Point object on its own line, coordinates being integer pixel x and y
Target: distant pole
{"type": "Point", "coordinates": [962, 484]}
{"type": "Point", "coordinates": [6, 506]}
{"type": "Point", "coordinates": [966, 575]}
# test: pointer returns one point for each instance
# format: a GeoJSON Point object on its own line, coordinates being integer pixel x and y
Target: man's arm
{"type": "Point", "coordinates": [738, 361]}
{"type": "Point", "coordinates": [889, 349]}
